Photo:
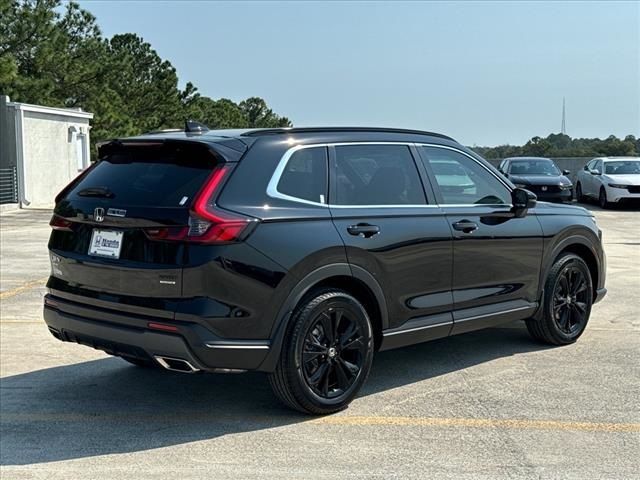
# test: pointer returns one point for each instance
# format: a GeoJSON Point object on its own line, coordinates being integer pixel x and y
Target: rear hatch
{"type": "Point", "coordinates": [121, 231]}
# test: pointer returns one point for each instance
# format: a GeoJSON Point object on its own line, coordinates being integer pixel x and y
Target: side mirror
{"type": "Point", "coordinates": [595, 171]}
{"type": "Point", "coordinates": [522, 201]}
{"type": "Point", "coordinates": [566, 172]}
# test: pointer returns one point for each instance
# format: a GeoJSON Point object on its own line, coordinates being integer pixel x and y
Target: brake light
{"type": "Point", "coordinates": [60, 224]}
{"type": "Point", "coordinates": [207, 222]}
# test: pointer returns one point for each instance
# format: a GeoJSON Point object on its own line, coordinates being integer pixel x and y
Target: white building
{"type": "Point", "coordinates": [41, 150]}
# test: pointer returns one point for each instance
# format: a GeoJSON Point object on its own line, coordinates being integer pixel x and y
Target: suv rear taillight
{"type": "Point", "coordinates": [60, 224]}
{"type": "Point", "coordinates": [208, 223]}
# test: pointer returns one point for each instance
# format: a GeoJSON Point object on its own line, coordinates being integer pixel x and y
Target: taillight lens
{"type": "Point", "coordinates": [207, 223]}
{"type": "Point", "coordinates": [60, 224]}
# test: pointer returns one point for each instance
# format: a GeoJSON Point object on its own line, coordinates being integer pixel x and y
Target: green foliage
{"type": "Point", "coordinates": [55, 56]}
{"type": "Point", "coordinates": [559, 145]}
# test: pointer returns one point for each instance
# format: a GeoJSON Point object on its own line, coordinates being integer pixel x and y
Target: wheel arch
{"type": "Point", "coordinates": [581, 246]}
{"type": "Point", "coordinates": [353, 279]}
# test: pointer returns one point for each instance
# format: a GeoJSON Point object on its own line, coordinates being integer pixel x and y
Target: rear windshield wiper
{"type": "Point", "coordinates": [96, 192]}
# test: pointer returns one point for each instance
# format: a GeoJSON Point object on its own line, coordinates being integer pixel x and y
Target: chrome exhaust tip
{"type": "Point", "coordinates": [176, 364]}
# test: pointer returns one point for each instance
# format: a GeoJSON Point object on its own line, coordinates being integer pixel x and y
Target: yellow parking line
{"type": "Point", "coordinates": [23, 288]}
{"type": "Point", "coordinates": [478, 423]}
{"type": "Point", "coordinates": [353, 421]}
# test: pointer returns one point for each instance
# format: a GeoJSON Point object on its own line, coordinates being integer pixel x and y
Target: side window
{"type": "Point", "coordinates": [598, 166]}
{"type": "Point", "coordinates": [305, 175]}
{"type": "Point", "coordinates": [377, 175]}
{"type": "Point", "coordinates": [462, 180]}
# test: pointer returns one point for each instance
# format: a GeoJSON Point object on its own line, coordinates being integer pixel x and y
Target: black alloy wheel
{"type": "Point", "coordinates": [567, 300]}
{"type": "Point", "coordinates": [570, 300]}
{"type": "Point", "coordinates": [333, 353]}
{"type": "Point", "coordinates": [326, 354]}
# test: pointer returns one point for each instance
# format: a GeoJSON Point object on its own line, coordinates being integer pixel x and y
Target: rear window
{"type": "Point", "coordinates": [162, 176]}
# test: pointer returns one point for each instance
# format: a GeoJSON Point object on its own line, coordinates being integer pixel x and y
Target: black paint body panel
{"type": "Point", "coordinates": [426, 279]}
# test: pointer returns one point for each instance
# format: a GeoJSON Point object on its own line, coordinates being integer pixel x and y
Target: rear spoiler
{"type": "Point", "coordinates": [230, 149]}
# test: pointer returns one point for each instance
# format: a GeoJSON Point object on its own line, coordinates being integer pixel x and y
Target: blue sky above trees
{"type": "Point", "coordinates": [487, 73]}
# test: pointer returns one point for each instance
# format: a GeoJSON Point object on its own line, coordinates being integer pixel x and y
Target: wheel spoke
{"type": "Point", "coordinates": [318, 375]}
{"type": "Point", "coordinates": [353, 369]}
{"type": "Point", "coordinates": [581, 307]}
{"type": "Point", "coordinates": [325, 380]}
{"type": "Point", "coordinates": [565, 319]}
{"type": "Point", "coordinates": [308, 355]}
{"type": "Point", "coordinates": [343, 376]}
{"type": "Point", "coordinates": [355, 343]}
{"type": "Point", "coordinates": [346, 336]}
{"type": "Point", "coordinates": [313, 342]}
{"type": "Point", "coordinates": [336, 323]}
{"type": "Point", "coordinates": [578, 285]}
{"type": "Point", "coordinates": [327, 326]}
{"type": "Point", "coordinates": [564, 285]}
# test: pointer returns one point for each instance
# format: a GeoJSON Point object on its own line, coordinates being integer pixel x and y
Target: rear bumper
{"type": "Point", "coordinates": [128, 336]}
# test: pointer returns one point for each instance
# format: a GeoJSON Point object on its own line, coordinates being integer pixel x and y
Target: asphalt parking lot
{"type": "Point", "coordinates": [489, 404]}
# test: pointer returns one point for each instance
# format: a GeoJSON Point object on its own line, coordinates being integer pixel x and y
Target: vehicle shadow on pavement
{"type": "Point", "coordinates": [106, 406]}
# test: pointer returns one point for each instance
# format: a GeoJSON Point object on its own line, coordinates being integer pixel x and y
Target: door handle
{"type": "Point", "coordinates": [363, 230]}
{"type": "Point", "coordinates": [465, 226]}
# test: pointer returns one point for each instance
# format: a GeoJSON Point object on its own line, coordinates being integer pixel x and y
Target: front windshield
{"type": "Point", "coordinates": [534, 167]}
{"type": "Point", "coordinates": [622, 167]}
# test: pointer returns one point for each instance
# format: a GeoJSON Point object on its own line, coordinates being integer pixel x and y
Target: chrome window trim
{"type": "Point", "coordinates": [497, 177]}
{"type": "Point", "coordinates": [272, 186]}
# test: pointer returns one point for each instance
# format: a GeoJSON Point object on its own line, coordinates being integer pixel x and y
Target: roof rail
{"type": "Point", "coordinates": [277, 131]}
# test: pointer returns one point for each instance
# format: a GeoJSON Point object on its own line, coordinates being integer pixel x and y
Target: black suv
{"type": "Point", "coordinates": [300, 252]}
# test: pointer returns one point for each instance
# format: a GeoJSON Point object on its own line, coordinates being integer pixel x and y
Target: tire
{"type": "Point", "coordinates": [567, 301]}
{"type": "Point", "coordinates": [138, 362]}
{"type": "Point", "coordinates": [579, 195]}
{"type": "Point", "coordinates": [320, 372]}
{"type": "Point", "coordinates": [602, 199]}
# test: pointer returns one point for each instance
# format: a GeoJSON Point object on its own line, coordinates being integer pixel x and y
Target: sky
{"type": "Point", "coordinates": [486, 73]}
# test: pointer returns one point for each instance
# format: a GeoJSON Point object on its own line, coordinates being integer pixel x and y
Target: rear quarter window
{"type": "Point", "coordinates": [305, 175]}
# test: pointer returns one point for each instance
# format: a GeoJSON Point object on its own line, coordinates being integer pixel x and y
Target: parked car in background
{"type": "Point", "coordinates": [540, 176]}
{"type": "Point", "coordinates": [301, 252]}
{"type": "Point", "coordinates": [610, 180]}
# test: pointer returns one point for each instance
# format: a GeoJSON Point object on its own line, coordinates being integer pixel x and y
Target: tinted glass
{"type": "Point", "coordinates": [598, 166]}
{"type": "Point", "coordinates": [377, 175]}
{"type": "Point", "coordinates": [155, 177]}
{"type": "Point", "coordinates": [305, 175]}
{"type": "Point", "coordinates": [534, 167]}
{"type": "Point", "coordinates": [622, 167]}
{"type": "Point", "coordinates": [462, 180]}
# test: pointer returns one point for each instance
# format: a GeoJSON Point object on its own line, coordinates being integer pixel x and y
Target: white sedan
{"type": "Point", "coordinates": [609, 180]}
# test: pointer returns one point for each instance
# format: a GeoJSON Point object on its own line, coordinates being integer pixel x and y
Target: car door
{"type": "Point", "coordinates": [392, 229]}
{"type": "Point", "coordinates": [583, 178]}
{"type": "Point", "coordinates": [596, 178]}
{"type": "Point", "coordinates": [496, 256]}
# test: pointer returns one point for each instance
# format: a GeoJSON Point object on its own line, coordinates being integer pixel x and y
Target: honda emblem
{"type": "Point", "coordinates": [98, 214]}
